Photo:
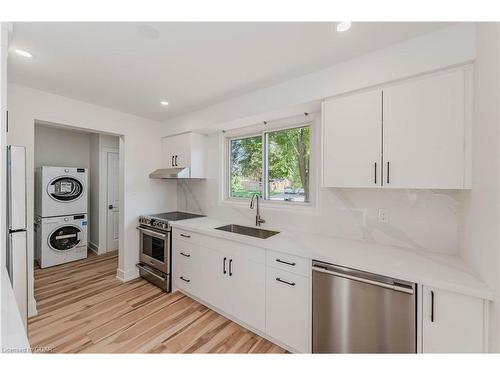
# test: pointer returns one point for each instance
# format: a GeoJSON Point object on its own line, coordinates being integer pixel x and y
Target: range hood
{"type": "Point", "coordinates": [171, 173]}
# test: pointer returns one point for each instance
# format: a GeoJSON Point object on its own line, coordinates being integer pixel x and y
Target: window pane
{"type": "Point", "coordinates": [246, 167]}
{"type": "Point", "coordinates": [289, 154]}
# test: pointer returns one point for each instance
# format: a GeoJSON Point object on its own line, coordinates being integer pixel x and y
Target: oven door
{"type": "Point", "coordinates": [155, 249]}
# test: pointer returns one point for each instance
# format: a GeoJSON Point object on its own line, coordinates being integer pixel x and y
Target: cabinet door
{"type": "Point", "coordinates": [352, 140]}
{"type": "Point", "coordinates": [424, 133]}
{"type": "Point", "coordinates": [287, 308]}
{"type": "Point", "coordinates": [214, 284]}
{"type": "Point", "coordinates": [451, 322]}
{"type": "Point", "coordinates": [247, 291]}
{"type": "Point", "coordinates": [182, 156]}
{"type": "Point", "coordinates": [168, 151]}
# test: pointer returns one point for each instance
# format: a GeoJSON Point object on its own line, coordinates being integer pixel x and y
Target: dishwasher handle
{"type": "Point", "coordinates": [399, 288]}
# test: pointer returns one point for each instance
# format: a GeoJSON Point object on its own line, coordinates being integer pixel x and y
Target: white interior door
{"type": "Point", "coordinates": [112, 201]}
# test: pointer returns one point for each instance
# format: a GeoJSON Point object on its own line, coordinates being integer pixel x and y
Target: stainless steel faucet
{"type": "Point", "coordinates": [258, 219]}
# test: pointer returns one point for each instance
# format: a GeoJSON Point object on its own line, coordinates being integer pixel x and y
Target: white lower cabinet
{"type": "Point", "coordinates": [234, 278]}
{"type": "Point", "coordinates": [226, 279]}
{"type": "Point", "coordinates": [451, 322]}
{"type": "Point", "coordinates": [287, 308]}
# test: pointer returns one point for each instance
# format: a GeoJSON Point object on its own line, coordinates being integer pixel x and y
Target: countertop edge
{"type": "Point", "coordinates": [482, 292]}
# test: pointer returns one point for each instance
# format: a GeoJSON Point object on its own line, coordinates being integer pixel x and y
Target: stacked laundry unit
{"type": "Point", "coordinates": [60, 215]}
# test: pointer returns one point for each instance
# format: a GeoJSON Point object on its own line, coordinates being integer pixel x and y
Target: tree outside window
{"type": "Point", "coordinates": [284, 166]}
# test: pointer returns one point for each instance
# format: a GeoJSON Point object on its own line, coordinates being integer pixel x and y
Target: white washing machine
{"type": "Point", "coordinates": [60, 191]}
{"type": "Point", "coordinates": [60, 239]}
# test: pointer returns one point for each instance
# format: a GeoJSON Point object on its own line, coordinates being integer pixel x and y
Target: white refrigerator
{"type": "Point", "coordinates": [16, 220]}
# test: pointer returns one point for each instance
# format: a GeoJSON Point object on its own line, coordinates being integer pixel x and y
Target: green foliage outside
{"type": "Point", "coordinates": [289, 157]}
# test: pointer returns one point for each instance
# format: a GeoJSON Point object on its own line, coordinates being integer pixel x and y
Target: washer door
{"type": "Point", "coordinates": [65, 189]}
{"type": "Point", "coordinates": [64, 238]}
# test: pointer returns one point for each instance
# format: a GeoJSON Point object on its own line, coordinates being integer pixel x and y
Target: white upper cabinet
{"type": "Point", "coordinates": [424, 133]}
{"type": "Point", "coordinates": [185, 151]}
{"type": "Point", "coordinates": [352, 143]}
{"type": "Point", "coordinates": [411, 135]}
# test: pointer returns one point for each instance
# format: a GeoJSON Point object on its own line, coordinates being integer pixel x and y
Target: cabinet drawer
{"type": "Point", "coordinates": [287, 308]}
{"type": "Point", "coordinates": [290, 263]}
{"type": "Point", "coordinates": [185, 235]}
{"type": "Point", "coordinates": [185, 265]}
{"type": "Point", "coordinates": [226, 246]}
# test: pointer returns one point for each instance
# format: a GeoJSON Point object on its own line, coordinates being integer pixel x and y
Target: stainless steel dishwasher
{"type": "Point", "coordinates": [361, 312]}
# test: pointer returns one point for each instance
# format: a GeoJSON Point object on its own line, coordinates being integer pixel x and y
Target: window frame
{"type": "Point", "coordinates": [263, 131]}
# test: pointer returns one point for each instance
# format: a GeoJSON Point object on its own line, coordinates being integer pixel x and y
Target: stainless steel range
{"type": "Point", "coordinates": [155, 246]}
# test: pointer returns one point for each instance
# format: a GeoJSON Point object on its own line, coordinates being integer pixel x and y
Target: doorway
{"type": "Point", "coordinates": [112, 206]}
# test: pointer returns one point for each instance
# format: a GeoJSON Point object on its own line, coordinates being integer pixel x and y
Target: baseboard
{"type": "Point", "coordinates": [32, 311]}
{"type": "Point", "coordinates": [128, 275]}
{"type": "Point", "coordinates": [92, 246]}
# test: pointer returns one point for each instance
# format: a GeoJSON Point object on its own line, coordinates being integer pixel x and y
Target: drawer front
{"type": "Point", "coordinates": [226, 246]}
{"type": "Point", "coordinates": [287, 309]}
{"type": "Point", "coordinates": [290, 263]}
{"type": "Point", "coordinates": [185, 235]}
{"type": "Point", "coordinates": [185, 265]}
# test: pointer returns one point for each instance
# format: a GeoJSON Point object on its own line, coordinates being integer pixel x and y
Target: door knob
{"type": "Point", "coordinates": [110, 206]}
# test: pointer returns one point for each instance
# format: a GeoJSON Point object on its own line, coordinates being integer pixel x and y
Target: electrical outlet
{"type": "Point", "coordinates": [383, 215]}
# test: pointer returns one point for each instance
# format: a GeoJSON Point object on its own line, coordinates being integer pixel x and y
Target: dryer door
{"type": "Point", "coordinates": [65, 237]}
{"type": "Point", "coordinates": [65, 189]}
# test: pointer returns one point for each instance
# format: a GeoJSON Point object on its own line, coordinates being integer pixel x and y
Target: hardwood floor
{"type": "Point", "coordinates": [83, 308]}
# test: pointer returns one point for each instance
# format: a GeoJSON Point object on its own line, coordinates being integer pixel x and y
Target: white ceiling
{"type": "Point", "coordinates": [133, 66]}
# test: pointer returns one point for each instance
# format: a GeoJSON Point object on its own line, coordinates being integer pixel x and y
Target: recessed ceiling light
{"type": "Point", "coordinates": [164, 103]}
{"type": "Point", "coordinates": [343, 26]}
{"type": "Point", "coordinates": [23, 53]}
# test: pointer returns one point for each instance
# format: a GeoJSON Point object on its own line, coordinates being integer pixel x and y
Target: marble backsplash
{"type": "Point", "coordinates": [417, 219]}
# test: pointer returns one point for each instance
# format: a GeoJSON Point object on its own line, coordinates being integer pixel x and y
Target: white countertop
{"type": "Point", "coordinates": [432, 269]}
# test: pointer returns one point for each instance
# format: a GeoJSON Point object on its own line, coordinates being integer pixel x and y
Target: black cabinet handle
{"type": "Point", "coordinates": [185, 255]}
{"type": "Point", "coordinates": [176, 160]}
{"type": "Point", "coordinates": [432, 306]}
{"type": "Point", "coordinates": [375, 170]}
{"type": "Point", "coordinates": [172, 160]}
{"type": "Point", "coordinates": [285, 282]}
{"type": "Point", "coordinates": [183, 279]}
{"type": "Point", "coordinates": [285, 262]}
{"type": "Point", "coordinates": [388, 175]}
{"type": "Point", "coordinates": [230, 267]}
{"type": "Point", "coordinates": [185, 235]}
{"type": "Point", "coordinates": [224, 266]}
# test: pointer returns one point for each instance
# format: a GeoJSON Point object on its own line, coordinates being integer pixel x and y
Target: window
{"type": "Point", "coordinates": [281, 158]}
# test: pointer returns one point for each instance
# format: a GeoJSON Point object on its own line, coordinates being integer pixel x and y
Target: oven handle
{"type": "Point", "coordinates": [150, 272]}
{"type": "Point", "coordinates": [152, 233]}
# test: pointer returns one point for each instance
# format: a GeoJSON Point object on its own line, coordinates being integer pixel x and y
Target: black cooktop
{"type": "Point", "coordinates": [174, 216]}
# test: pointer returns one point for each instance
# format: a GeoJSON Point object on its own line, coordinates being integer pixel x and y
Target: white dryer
{"type": "Point", "coordinates": [60, 191]}
{"type": "Point", "coordinates": [60, 239]}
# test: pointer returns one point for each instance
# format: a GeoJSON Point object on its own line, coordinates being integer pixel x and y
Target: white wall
{"type": "Point", "coordinates": [446, 47]}
{"type": "Point", "coordinates": [480, 243]}
{"type": "Point", "coordinates": [61, 148]}
{"type": "Point", "coordinates": [139, 155]}
{"type": "Point", "coordinates": [94, 192]}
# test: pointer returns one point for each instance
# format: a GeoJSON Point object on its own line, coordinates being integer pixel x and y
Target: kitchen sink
{"type": "Point", "coordinates": [248, 231]}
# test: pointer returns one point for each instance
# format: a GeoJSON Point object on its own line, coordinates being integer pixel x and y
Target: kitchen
{"type": "Point", "coordinates": [345, 209]}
